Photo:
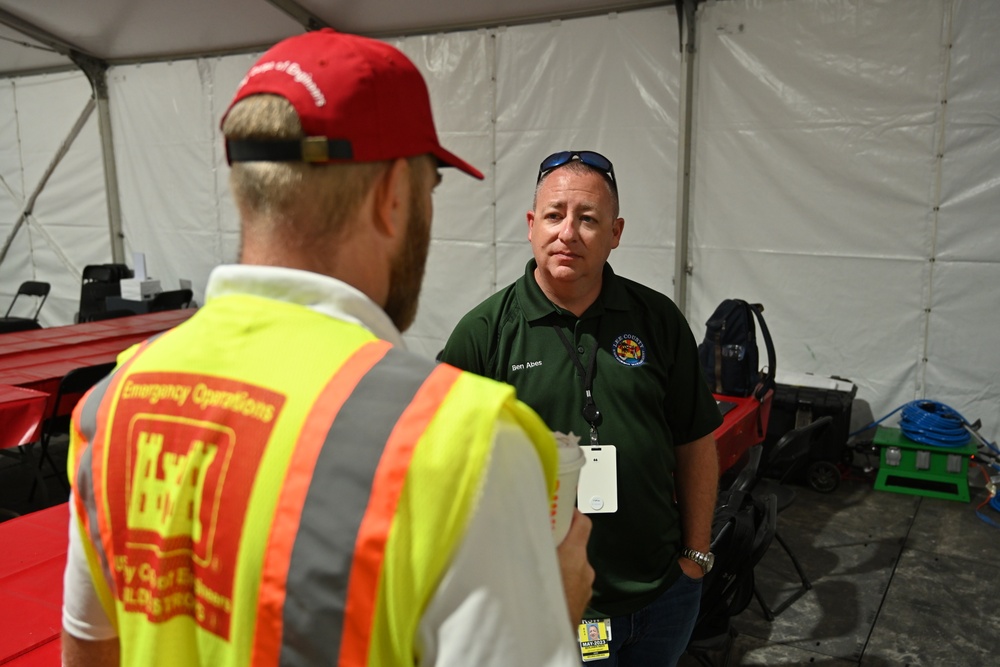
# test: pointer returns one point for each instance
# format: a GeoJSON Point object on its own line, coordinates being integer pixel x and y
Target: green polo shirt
{"type": "Point", "coordinates": [648, 387]}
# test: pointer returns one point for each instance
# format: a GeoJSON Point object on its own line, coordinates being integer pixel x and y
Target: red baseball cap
{"type": "Point", "coordinates": [358, 99]}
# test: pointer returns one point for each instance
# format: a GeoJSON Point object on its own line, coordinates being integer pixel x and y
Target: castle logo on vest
{"type": "Point", "coordinates": [193, 446]}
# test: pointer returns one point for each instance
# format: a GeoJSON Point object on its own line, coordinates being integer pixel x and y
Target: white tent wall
{"type": "Point", "coordinates": [176, 207]}
{"type": "Point", "coordinates": [67, 227]}
{"type": "Point", "coordinates": [609, 84]}
{"type": "Point", "coordinates": [493, 105]}
{"type": "Point", "coordinates": [462, 262]}
{"type": "Point", "coordinates": [842, 179]}
{"type": "Point", "coordinates": [963, 333]}
{"type": "Point", "coordinates": [831, 180]}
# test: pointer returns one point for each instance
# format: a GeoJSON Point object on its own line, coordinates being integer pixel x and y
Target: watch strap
{"type": "Point", "coordinates": [703, 559]}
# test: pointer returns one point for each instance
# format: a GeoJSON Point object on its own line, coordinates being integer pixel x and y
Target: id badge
{"type": "Point", "coordinates": [597, 490]}
{"type": "Point", "coordinates": [595, 639]}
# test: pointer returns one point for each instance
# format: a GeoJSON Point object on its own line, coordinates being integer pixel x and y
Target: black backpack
{"type": "Point", "coordinates": [742, 530]}
{"type": "Point", "coordinates": [729, 356]}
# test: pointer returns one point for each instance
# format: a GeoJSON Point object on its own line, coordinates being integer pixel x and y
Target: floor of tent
{"type": "Point", "coordinates": [897, 579]}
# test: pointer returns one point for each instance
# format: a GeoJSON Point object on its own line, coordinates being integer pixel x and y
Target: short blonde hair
{"type": "Point", "coordinates": [311, 200]}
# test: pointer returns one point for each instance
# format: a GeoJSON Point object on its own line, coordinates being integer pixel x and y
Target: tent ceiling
{"type": "Point", "coordinates": [32, 32]}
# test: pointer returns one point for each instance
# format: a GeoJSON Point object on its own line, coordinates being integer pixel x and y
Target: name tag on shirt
{"type": "Point", "coordinates": [597, 490]}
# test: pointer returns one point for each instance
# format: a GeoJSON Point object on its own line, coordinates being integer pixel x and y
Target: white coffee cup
{"type": "Point", "coordinates": [571, 459]}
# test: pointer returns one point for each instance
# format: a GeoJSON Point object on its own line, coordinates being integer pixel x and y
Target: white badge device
{"type": "Point", "coordinates": [597, 490]}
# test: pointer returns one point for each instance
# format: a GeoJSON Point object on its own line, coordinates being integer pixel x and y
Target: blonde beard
{"type": "Point", "coordinates": [407, 271]}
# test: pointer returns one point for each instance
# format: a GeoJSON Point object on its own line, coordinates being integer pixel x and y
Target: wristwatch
{"type": "Point", "coordinates": [705, 560]}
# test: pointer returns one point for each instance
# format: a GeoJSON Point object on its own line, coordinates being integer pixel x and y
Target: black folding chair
{"type": "Point", "coordinates": [111, 315]}
{"type": "Point", "coordinates": [99, 281]}
{"type": "Point", "coordinates": [786, 459]}
{"type": "Point", "coordinates": [12, 324]}
{"type": "Point", "coordinates": [73, 385]}
{"type": "Point", "coordinates": [742, 530]}
{"type": "Point", "coordinates": [30, 290]}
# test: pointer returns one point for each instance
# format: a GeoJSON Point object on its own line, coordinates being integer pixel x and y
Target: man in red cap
{"type": "Point", "coordinates": [277, 481]}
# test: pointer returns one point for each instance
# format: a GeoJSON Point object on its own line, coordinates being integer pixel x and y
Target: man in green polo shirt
{"type": "Point", "coordinates": [615, 362]}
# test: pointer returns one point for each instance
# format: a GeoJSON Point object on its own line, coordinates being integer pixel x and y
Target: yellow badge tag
{"type": "Point", "coordinates": [595, 639]}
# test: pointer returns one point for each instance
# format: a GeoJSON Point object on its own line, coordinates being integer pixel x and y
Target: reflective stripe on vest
{"type": "Point", "coordinates": [87, 413]}
{"type": "Point", "coordinates": [332, 567]}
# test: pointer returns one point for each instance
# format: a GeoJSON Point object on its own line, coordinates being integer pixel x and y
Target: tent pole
{"type": "Point", "coordinates": [682, 261]}
{"type": "Point", "coordinates": [303, 16]}
{"type": "Point", "coordinates": [97, 72]}
{"type": "Point", "coordinates": [29, 205]}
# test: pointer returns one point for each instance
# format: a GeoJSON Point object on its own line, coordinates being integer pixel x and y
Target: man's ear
{"type": "Point", "coordinates": [616, 232]}
{"type": "Point", "coordinates": [531, 223]}
{"type": "Point", "coordinates": [392, 196]}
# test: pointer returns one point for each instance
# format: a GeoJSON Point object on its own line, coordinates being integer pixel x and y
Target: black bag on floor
{"type": "Point", "coordinates": [742, 530]}
{"type": "Point", "coordinates": [728, 354]}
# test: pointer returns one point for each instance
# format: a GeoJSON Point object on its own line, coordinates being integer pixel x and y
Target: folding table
{"type": "Point", "coordinates": [39, 359]}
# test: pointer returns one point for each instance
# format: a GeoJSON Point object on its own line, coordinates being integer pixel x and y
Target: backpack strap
{"type": "Point", "coordinates": [767, 380]}
{"type": "Point", "coordinates": [718, 363]}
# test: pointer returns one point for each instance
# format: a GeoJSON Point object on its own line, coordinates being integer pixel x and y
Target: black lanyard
{"type": "Point", "coordinates": [590, 411]}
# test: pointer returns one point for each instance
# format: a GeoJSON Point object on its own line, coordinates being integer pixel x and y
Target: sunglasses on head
{"type": "Point", "coordinates": [589, 158]}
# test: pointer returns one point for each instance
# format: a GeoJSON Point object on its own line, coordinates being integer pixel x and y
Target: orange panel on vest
{"type": "Point", "coordinates": [181, 476]}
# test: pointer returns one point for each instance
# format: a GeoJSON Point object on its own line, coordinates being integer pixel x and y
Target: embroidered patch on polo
{"type": "Point", "coordinates": [629, 350]}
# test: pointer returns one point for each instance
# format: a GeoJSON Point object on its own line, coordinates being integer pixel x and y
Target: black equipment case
{"type": "Point", "coordinates": [805, 401]}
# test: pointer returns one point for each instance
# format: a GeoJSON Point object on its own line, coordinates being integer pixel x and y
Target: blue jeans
{"type": "Point", "coordinates": [657, 634]}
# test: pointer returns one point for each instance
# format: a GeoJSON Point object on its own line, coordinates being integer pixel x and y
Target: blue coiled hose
{"type": "Point", "coordinates": [933, 423]}
{"type": "Point", "coordinates": [930, 423]}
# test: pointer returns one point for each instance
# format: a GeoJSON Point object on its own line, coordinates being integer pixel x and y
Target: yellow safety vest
{"type": "Point", "coordinates": [268, 485]}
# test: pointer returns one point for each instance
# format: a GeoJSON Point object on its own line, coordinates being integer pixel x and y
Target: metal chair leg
{"type": "Point", "coordinates": [28, 451]}
{"type": "Point", "coordinates": [768, 613]}
{"type": "Point", "coordinates": [795, 561]}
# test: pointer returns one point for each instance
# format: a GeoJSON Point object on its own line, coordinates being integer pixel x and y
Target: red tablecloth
{"type": "Point", "coordinates": [38, 359]}
{"type": "Point", "coordinates": [741, 429]}
{"type": "Point", "coordinates": [31, 565]}
{"type": "Point", "coordinates": [46, 655]}
{"type": "Point", "coordinates": [21, 414]}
